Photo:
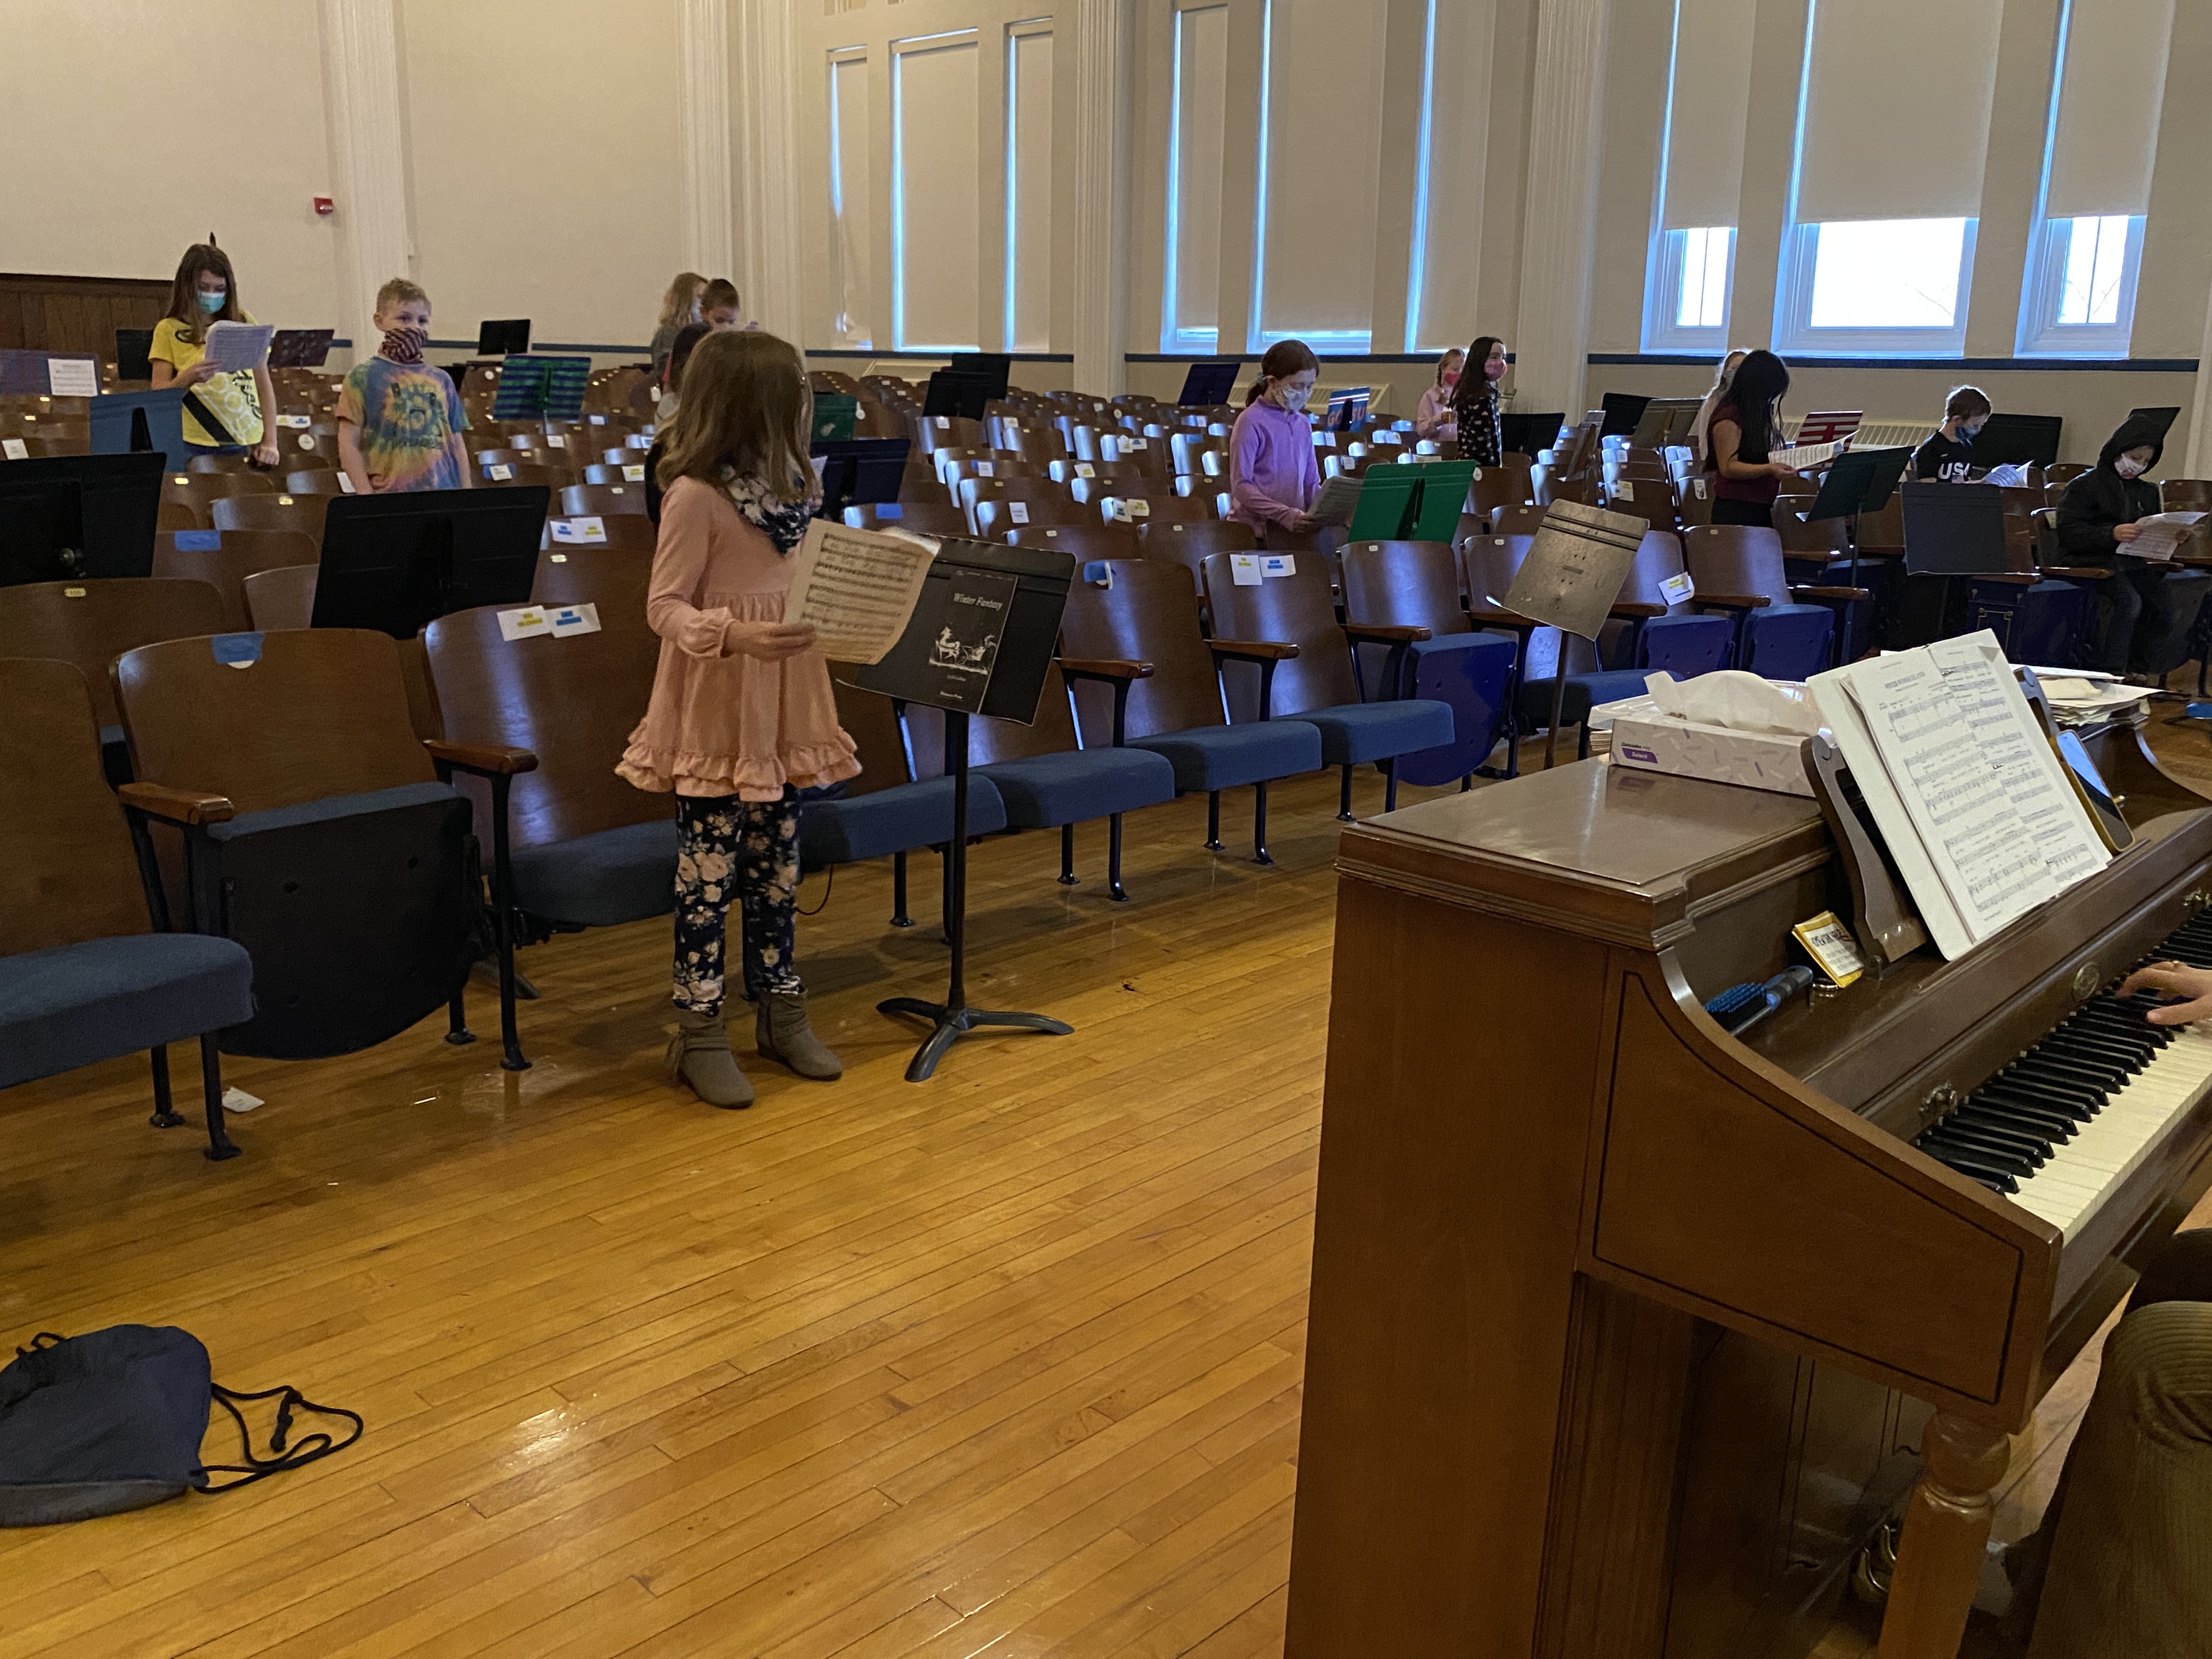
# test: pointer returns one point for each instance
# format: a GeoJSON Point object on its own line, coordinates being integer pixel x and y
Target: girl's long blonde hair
{"type": "Point", "coordinates": [746, 405]}
{"type": "Point", "coordinates": [680, 305]}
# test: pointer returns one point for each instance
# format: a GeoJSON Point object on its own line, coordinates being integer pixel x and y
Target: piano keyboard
{"type": "Point", "coordinates": [2061, 1129]}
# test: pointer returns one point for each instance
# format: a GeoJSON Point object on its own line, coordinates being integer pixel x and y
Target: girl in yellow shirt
{"type": "Point", "coordinates": [206, 293]}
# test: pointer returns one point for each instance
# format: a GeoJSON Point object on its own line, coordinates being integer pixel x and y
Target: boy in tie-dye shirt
{"type": "Point", "coordinates": [400, 419]}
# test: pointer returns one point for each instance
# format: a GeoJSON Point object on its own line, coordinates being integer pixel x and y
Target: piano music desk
{"type": "Point", "coordinates": [1577, 1250]}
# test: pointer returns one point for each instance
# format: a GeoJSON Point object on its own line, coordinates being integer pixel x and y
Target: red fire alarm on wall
{"type": "Point", "coordinates": [324, 206]}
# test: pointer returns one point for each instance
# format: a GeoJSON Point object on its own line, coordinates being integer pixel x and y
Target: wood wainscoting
{"type": "Point", "coordinates": [76, 314]}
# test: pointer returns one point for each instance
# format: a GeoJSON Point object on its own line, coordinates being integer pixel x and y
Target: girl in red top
{"type": "Point", "coordinates": [1746, 430]}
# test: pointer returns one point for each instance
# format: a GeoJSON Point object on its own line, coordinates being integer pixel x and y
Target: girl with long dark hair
{"type": "Point", "coordinates": [1745, 428]}
{"type": "Point", "coordinates": [1475, 403]}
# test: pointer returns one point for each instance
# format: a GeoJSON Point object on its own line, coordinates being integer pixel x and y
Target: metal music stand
{"type": "Point", "coordinates": [981, 642]}
{"type": "Point", "coordinates": [1860, 481]}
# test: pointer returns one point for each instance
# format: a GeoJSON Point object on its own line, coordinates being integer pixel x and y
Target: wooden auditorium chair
{"type": "Point", "coordinates": [923, 518]}
{"type": "Point", "coordinates": [1651, 632]}
{"type": "Point", "coordinates": [276, 510]}
{"type": "Point", "coordinates": [1782, 632]}
{"type": "Point", "coordinates": [92, 621]}
{"type": "Point", "coordinates": [1286, 657]}
{"type": "Point", "coordinates": [992, 519]}
{"type": "Point", "coordinates": [1147, 677]}
{"type": "Point", "coordinates": [350, 869]}
{"type": "Point", "coordinates": [1415, 586]}
{"type": "Point", "coordinates": [91, 969]}
{"type": "Point", "coordinates": [1046, 780]}
{"type": "Point", "coordinates": [282, 598]}
{"type": "Point", "coordinates": [224, 559]}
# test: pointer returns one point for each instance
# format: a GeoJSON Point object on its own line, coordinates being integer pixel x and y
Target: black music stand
{"type": "Point", "coordinates": [1527, 433]}
{"type": "Point", "coordinates": [1206, 385]}
{"type": "Point", "coordinates": [952, 392]}
{"type": "Point", "coordinates": [1623, 410]}
{"type": "Point", "coordinates": [979, 642]}
{"type": "Point", "coordinates": [1860, 481]}
{"type": "Point", "coordinates": [859, 472]}
{"type": "Point", "coordinates": [504, 338]}
{"type": "Point", "coordinates": [124, 422]}
{"type": "Point", "coordinates": [64, 516]}
{"type": "Point", "coordinates": [394, 562]}
{"type": "Point", "coordinates": [2018, 439]}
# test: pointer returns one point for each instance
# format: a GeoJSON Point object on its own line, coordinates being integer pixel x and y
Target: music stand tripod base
{"type": "Point", "coordinates": [954, 1022]}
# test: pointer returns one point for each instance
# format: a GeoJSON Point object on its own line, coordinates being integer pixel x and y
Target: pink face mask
{"type": "Point", "coordinates": [1451, 377]}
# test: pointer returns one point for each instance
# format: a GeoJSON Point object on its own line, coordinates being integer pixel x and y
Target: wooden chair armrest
{"type": "Point", "coordinates": [1732, 601]}
{"type": "Point", "coordinates": [2077, 573]}
{"type": "Point", "coordinates": [1834, 593]}
{"type": "Point", "coordinates": [1386, 633]}
{"type": "Point", "coordinates": [1486, 615]}
{"type": "Point", "coordinates": [1104, 668]}
{"type": "Point", "coordinates": [489, 760]}
{"type": "Point", "coordinates": [1255, 650]}
{"type": "Point", "coordinates": [158, 800]}
{"type": "Point", "coordinates": [1632, 610]}
{"type": "Point", "coordinates": [2010, 578]}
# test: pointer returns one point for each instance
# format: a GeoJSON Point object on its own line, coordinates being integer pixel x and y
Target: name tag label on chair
{"type": "Point", "coordinates": [1677, 590]}
{"type": "Point", "coordinates": [292, 420]}
{"type": "Point", "coordinates": [555, 441]}
{"type": "Point", "coordinates": [634, 474]}
{"type": "Point", "coordinates": [580, 530]}
{"type": "Point", "coordinates": [1278, 564]}
{"type": "Point", "coordinates": [528, 620]}
{"type": "Point", "coordinates": [15, 449]}
{"type": "Point", "coordinates": [986, 468]}
{"type": "Point", "coordinates": [522, 441]}
{"type": "Point", "coordinates": [1698, 484]}
{"type": "Point", "coordinates": [597, 420]}
{"type": "Point", "coordinates": [1018, 511]}
{"type": "Point", "coordinates": [1130, 511]}
{"type": "Point", "coordinates": [1324, 440]}
{"type": "Point", "coordinates": [1244, 569]}
{"type": "Point", "coordinates": [345, 484]}
{"type": "Point", "coordinates": [1085, 469]}
{"type": "Point", "coordinates": [1625, 490]}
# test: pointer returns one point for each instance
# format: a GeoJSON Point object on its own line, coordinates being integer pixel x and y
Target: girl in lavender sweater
{"type": "Point", "coordinates": [1271, 473]}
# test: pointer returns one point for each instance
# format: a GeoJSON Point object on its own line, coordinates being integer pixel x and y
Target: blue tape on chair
{"type": "Point", "coordinates": [199, 541]}
{"type": "Point", "coordinates": [236, 649]}
{"type": "Point", "coordinates": [888, 510]}
{"type": "Point", "coordinates": [1095, 572]}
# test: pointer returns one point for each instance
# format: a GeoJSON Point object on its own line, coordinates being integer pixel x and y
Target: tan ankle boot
{"type": "Point", "coordinates": [700, 1054]}
{"type": "Point", "coordinates": [781, 1031]}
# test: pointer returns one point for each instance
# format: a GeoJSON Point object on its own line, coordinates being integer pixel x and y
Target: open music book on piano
{"type": "Point", "coordinates": [1963, 784]}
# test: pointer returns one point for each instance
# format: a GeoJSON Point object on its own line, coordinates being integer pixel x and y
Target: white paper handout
{"type": "Point", "coordinates": [2160, 535]}
{"type": "Point", "coordinates": [857, 587]}
{"type": "Point", "coordinates": [72, 377]}
{"type": "Point", "coordinates": [235, 348]}
{"type": "Point", "coordinates": [1807, 455]}
{"type": "Point", "coordinates": [1334, 501]}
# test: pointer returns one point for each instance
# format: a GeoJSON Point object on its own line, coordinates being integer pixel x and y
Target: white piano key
{"type": "Point", "coordinates": [2081, 1175]}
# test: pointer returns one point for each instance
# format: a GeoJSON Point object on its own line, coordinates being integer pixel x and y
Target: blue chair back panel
{"type": "Point", "coordinates": [1470, 672]}
{"type": "Point", "coordinates": [1790, 641]}
{"type": "Point", "coordinates": [1686, 647]}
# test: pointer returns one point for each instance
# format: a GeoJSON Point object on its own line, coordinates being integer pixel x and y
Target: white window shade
{"type": "Point", "coordinates": [1029, 189]}
{"type": "Point", "coordinates": [1897, 109]}
{"type": "Point", "coordinates": [1706, 112]}
{"type": "Point", "coordinates": [850, 295]}
{"type": "Point", "coordinates": [2108, 108]}
{"type": "Point", "coordinates": [936, 264]}
{"type": "Point", "coordinates": [1193, 240]}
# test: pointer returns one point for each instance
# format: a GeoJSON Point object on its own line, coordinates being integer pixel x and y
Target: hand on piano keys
{"type": "Point", "coordinates": [2061, 1129]}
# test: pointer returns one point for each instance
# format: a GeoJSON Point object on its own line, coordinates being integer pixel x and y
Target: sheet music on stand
{"type": "Point", "coordinates": [857, 587]}
{"type": "Point", "coordinates": [1963, 784]}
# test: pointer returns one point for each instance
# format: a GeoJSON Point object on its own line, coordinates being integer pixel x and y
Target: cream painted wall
{"type": "Point", "coordinates": [128, 138]}
{"type": "Point", "coordinates": [542, 150]}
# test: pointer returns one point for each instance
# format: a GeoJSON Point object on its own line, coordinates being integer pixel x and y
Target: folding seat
{"type": "Point", "coordinates": [198, 492]}
{"type": "Point", "coordinates": [91, 969]}
{"type": "Point", "coordinates": [1415, 586]}
{"type": "Point", "coordinates": [302, 513]}
{"type": "Point", "coordinates": [1284, 656]}
{"type": "Point", "coordinates": [923, 518]}
{"type": "Point", "coordinates": [282, 598]}
{"type": "Point", "coordinates": [994, 518]}
{"type": "Point", "coordinates": [1782, 632]}
{"type": "Point", "coordinates": [1147, 677]}
{"type": "Point", "coordinates": [601, 500]}
{"type": "Point", "coordinates": [350, 870]}
{"type": "Point", "coordinates": [1155, 504]}
{"type": "Point", "coordinates": [92, 621]}
{"type": "Point", "coordinates": [219, 463]}
{"type": "Point", "coordinates": [315, 481]}
{"type": "Point", "coordinates": [1650, 632]}
{"type": "Point", "coordinates": [1082, 542]}
{"type": "Point", "coordinates": [971, 491]}
{"type": "Point", "coordinates": [1044, 779]}
{"type": "Point", "coordinates": [224, 559]}
{"type": "Point", "coordinates": [1187, 542]}
{"type": "Point", "coordinates": [1518, 518]}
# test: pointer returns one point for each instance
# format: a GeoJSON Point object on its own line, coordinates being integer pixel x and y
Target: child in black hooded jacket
{"type": "Point", "coordinates": [2097, 520]}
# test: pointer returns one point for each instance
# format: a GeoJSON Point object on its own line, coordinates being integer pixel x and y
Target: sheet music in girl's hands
{"type": "Point", "coordinates": [236, 347]}
{"type": "Point", "coordinates": [857, 588]}
{"type": "Point", "coordinates": [1807, 455]}
{"type": "Point", "coordinates": [1987, 691]}
{"type": "Point", "coordinates": [1336, 500]}
{"type": "Point", "coordinates": [2160, 536]}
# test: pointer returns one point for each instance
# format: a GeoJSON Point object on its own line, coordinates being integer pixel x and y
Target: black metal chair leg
{"type": "Point", "coordinates": [1344, 795]}
{"type": "Point", "coordinates": [1213, 821]}
{"type": "Point", "coordinates": [1390, 785]}
{"type": "Point", "coordinates": [219, 1145]}
{"type": "Point", "coordinates": [1582, 744]}
{"type": "Point", "coordinates": [1259, 824]}
{"type": "Point", "coordinates": [1113, 888]}
{"type": "Point", "coordinates": [166, 1115]}
{"type": "Point", "coordinates": [1067, 855]}
{"type": "Point", "coordinates": [899, 917]}
{"type": "Point", "coordinates": [1466, 783]}
{"type": "Point", "coordinates": [457, 1015]}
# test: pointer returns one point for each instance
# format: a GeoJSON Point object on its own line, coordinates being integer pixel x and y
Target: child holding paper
{"type": "Point", "coordinates": [2097, 520]}
{"type": "Point", "coordinates": [400, 419]}
{"type": "Point", "coordinates": [224, 412]}
{"type": "Point", "coordinates": [742, 717]}
{"type": "Point", "coordinates": [1273, 475]}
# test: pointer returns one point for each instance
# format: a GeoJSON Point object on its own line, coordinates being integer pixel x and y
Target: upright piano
{"type": "Point", "coordinates": [1623, 1330]}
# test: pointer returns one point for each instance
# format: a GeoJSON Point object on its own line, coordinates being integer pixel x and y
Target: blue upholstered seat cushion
{"type": "Point", "coordinates": [1043, 792]}
{"type": "Point", "coordinates": [1583, 691]}
{"type": "Point", "coordinates": [600, 880]}
{"type": "Point", "coordinates": [332, 807]}
{"type": "Point", "coordinates": [71, 1004]}
{"type": "Point", "coordinates": [1222, 756]}
{"type": "Point", "coordinates": [1354, 732]}
{"type": "Point", "coordinates": [895, 820]}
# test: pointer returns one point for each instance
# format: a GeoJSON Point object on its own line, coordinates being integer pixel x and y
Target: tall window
{"type": "Point", "coordinates": [1887, 184]}
{"type": "Point", "coordinates": [2107, 90]}
{"type": "Point", "coordinates": [1451, 156]}
{"type": "Point", "coordinates": [1693, 262]}
{"type": "Point", "coordinates": [1190, 295]}
{"type": "Point", "coordinates": [936, 270]}
{"type": "Point", "coordinates": [1029, 187]}
{"type": "Point", "coordinates": [850, 252]}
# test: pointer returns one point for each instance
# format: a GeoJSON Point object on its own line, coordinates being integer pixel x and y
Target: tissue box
{"type": "Point", "coordinates": [1689, 748]}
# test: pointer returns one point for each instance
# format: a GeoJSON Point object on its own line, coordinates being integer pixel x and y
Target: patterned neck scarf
{"type": "Point", "coordinates": [784, 522]}
{"type": "Point", "coordinates": [403, 345]}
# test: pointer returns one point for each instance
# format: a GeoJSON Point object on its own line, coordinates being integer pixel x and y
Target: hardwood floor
{"type": "Point", "coordinates": [1008, 1363]}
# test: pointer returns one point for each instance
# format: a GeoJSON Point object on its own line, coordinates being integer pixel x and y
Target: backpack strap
{"type": "Point", "coordinates": [283, 1457]}
{"type": "Point", "coordinates": [211, 422]}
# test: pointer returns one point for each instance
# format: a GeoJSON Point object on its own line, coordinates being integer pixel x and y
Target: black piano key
{"type": "Point", "coordinates": [1974, 1168]}
{"type": "Point", "coordinates": [2011, 1135]}
{"type": "Point", "coordinates": [2001, 1151]}
{"type": "Point", "coordinates": [2049, 1061]}
{"type": "Point", "coordinates": [2057, 1072]}
{"type": "Point", "coordinates": [2027, 1120]}
{"type": "Point", "coordinates": [2000, 1092]}
{"type": "Point", "coordinates": [2079, 1051]}
{"type": "Point", "coordinates": [2129, 1053]}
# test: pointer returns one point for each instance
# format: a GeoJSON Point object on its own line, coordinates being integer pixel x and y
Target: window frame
{"type": "Point", "coordinates": [1663, 294]}
{"type": "Point", "coordinates": [2041, 333]}
{"type": "Point", "coordinates": [1794, 331]}
{"type": "Point", "coordinates": [1174, 339]}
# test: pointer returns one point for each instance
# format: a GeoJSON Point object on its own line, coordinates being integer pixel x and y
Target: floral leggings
{"type": "Point", "coordinates": [724, 848]}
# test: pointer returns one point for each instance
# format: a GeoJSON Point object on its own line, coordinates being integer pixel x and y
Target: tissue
{"type": "Point", "coordinates": [1740, 702]}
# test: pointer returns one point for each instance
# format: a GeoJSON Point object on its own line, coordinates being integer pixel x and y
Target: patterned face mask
{"type": "Point", "coordinates": [403, 345]}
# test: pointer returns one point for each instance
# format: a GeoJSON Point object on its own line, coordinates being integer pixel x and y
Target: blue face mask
{"type": "Point", "coordinates": [212, 303]}
{"type": "Point", "coordinates": [1966, 436]}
